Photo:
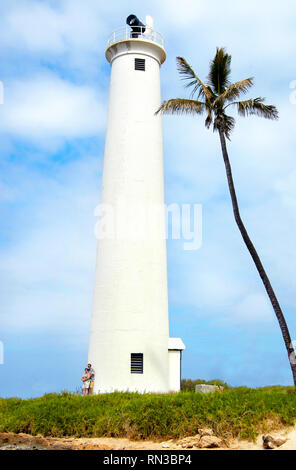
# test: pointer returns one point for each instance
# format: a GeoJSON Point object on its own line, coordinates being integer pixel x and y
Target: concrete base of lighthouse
{"type": "Point", "coordinates": [163, 377]}
{"type": "Point", "coordinates": [114, 372]}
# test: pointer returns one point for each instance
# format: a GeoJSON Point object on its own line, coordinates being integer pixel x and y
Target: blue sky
{"type": "Point", "coordinates": [52, 126]}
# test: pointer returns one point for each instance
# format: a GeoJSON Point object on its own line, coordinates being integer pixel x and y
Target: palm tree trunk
{"type": "Point", "coordinates": [270, 292]}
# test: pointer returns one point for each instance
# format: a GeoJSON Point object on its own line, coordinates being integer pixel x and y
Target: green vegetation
{"type": "Point", "coordinates": [237, 412]}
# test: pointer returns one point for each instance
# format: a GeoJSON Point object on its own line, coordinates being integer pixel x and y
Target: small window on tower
{"type": "Point", "coordinates": [140, 64]}
{"type": "Point", "coordinates": [136, 363]}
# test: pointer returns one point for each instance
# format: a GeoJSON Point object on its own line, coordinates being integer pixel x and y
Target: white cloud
{"type": "Point", "coordinates": [52, 27]}
{"type": "Point", "coordinates": [47, 107]}
{"type": "Point", "coordinates": [286, 188]}
{"type": "Point", "coordinates": [79, 29]}
{"type": "Point", "coordinates": [180, 15]}
{"type": "Point", "coordinates": [47, 272]}
{"type": "Point", "coordinates": [254, 33]}
{"type": "Point", "coordinates": [35, 27]}
{"type": "Point", "coordinates": [253, 309]}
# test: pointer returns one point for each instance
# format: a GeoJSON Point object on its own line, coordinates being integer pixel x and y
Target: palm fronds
{"type": "Point", "coordinates": [181, 106]}
{"type": "Point", "coordinates": [217, 94]}
{"type": "Point", "coordinates": [234, 90]}
{"type": "Point", "coordinates": [219, 74]}
{"type": "Point", "coordinates": [256, 106]}
{"type": "Point", "coordinates": [193, 81]}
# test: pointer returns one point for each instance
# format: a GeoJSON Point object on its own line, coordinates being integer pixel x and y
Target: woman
{"type": "Point", "coordinates": [85, 382]}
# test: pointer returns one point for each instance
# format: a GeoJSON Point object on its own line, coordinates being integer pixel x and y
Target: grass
{"type": "Point", "coordinates": [237, 412]}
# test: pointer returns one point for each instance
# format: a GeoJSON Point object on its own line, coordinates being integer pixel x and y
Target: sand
{"type": "Point", "coordinates": [10, 441]}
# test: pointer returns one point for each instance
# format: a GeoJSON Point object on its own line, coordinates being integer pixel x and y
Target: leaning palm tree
{"type": "Point", "coordinates": [212, 99]}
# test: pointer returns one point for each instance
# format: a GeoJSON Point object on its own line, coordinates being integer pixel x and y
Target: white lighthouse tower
{"type": "Point", "coordinates": [129, 339]}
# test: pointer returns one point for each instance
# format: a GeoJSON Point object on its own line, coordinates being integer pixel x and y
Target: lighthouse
{"type": "Point", "coordinates": [130, 348]}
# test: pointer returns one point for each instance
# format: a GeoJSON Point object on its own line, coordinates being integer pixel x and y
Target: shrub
{"type": "Point", "coordinates": [237, 412]}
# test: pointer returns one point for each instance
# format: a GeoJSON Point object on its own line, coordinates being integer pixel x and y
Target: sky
{"type": "Point", "coordinates": [52, 130]}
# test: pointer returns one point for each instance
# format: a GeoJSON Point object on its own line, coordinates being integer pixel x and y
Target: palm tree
{"type": "Point", "coordinates": [216, 95]}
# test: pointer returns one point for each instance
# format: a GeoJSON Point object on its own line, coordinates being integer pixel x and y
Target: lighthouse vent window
{"type": "Point", "coordinates": [140, 64]}
{"type": "Point", "coordinates": [136, 363]}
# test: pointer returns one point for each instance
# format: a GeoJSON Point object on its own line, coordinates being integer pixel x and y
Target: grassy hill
{"type": "Point", "coordinates": [237, 412]}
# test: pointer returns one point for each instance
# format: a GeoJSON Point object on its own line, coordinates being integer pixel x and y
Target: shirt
{"type": "Point", "coordinates": [92, 374]}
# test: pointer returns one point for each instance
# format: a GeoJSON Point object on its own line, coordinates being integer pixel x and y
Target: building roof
{"type": "Point", "coordinates": [176, 344]}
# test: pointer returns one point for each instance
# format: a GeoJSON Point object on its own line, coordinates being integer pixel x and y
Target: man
{"type": "Point", "coordinates": [92, 378]}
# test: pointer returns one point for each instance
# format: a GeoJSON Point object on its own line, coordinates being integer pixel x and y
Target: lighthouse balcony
{"type": "Point", "coordinates": [140, 33]}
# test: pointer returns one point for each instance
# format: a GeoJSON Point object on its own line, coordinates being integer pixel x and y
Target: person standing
{"type": "Point", "coordinates": [85, 382]}
{"type": "Point", "coordinates": [92, 378]}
